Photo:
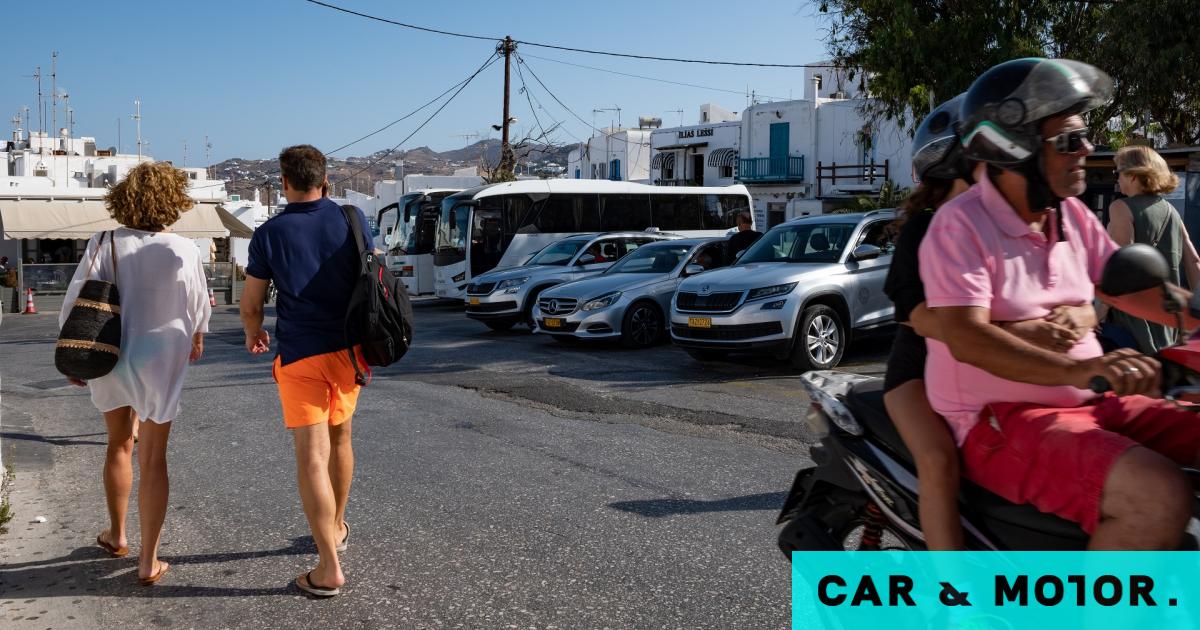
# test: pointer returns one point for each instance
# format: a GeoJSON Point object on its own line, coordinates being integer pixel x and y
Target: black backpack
{"type": "Point", "coordinates": [379, 315]}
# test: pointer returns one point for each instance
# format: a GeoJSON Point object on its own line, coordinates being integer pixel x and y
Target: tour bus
{"type": "Point", "coordinates": [502, 225]}
{"type": "Point", "coordinates": [408, 229]}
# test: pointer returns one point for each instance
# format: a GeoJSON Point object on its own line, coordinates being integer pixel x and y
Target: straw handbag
{"type": "Point", "coordinates": [90, 341]}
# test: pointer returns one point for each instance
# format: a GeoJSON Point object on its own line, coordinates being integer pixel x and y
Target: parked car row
{"type": "Point", "coordinates": [799, 293]}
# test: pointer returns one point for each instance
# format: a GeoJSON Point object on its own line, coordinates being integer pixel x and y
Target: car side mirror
{"type": "Point", "coordinates": [1132, 269]}
{"type": "Point", "coordinates": [866, 252]}
{"type": "Point", "coordinates": [693, 269]}
{"type": "Point", "coordinates": [738, 255]}
{"type": "Point", "coordinates": [585, 259]}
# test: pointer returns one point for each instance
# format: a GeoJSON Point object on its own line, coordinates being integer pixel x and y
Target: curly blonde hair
{"type": "Point", "coordinates": [1147, 167]}
{"type": "Point", "coordinates": [151, 197]}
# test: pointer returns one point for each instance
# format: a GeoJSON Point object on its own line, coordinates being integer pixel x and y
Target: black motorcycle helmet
{"type": "Point", "coordinates": [937, 151]}
{"type": "Point", "coordinates": [1003, 111]}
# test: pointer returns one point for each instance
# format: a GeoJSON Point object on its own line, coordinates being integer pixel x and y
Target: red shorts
{"type": "Point", "coordinates": [1059, 458]}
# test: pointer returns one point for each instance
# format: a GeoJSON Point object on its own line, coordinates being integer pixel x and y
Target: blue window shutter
{"type": "Point", "coordinates": [615, 170]}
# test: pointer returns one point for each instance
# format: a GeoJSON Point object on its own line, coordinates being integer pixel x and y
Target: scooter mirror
{"type": "Point", "coordinates": [1132, 269]}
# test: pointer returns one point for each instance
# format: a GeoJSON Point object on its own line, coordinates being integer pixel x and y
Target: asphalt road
{"type": "Point", "coordinates": [503, 480]}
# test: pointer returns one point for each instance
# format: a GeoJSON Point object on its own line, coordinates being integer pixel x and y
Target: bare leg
{"type": "Point", "coordinates": [928, 439]}
{"type": "Point", "coordinates": [118, 473]}
{"type": "Point", "coordinates": [316, 494]}
{"type": "Point", "coordinates": [1146, 504]}
{"type": "Point", "coordinates": [136, 423]}
{"type": "Point", "coordinates": [341, 471]}
{"type": "Point", "coordinates": [153, 492]}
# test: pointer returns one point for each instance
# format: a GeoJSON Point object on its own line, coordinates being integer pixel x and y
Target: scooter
{"type": "Point", "coordinates": [862, 491]}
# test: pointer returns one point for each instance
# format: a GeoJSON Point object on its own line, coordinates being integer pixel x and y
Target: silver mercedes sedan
{"type": "Point", "coordinates": [632, 298]}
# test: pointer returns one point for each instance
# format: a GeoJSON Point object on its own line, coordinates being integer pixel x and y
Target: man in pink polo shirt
{"type": "Point", "coordinates": [1012, 248]}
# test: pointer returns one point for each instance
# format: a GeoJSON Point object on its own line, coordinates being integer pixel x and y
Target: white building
{"type": "Point", "coordinates": [616, 153]}
{"type": "Point", "coordinates": [809, 156]}
{"type": "Point", "coordinates": [704, 154]}
{"type": "Point", "coordinates": [52, 191]}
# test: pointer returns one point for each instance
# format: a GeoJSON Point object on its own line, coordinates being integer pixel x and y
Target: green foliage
{"type": "Point", "coordinates": [890, 196]}
{"type": "Point", "coordinates": [914, 54]}
{"type": "Point", "coordinates": [6, 513]}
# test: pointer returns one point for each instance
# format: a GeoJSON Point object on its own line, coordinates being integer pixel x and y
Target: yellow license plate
{"type": "Point", "coordinates": [699, 322]}
{"type": "Point", "coordinates": [474, 301]}
{"type": "Point", "coordinates": [552, 322]}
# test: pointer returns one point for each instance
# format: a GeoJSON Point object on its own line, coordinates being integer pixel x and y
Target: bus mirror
{"type": "Point", "coordinates": [453, 218]}
{"type": "Point", "coordinates": [407, 214]}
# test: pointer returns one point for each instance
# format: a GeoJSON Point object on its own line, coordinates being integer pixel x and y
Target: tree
{"type": "Point", "coordinates": [520, 151]}
{"type": "Point", "coordinates": [912, 55]}
{"type": "Point", "coordinates": [1152, 50]}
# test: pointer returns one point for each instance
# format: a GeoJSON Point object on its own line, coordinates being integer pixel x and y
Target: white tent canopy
{"type": "Point", "coordinates": [77, 219]}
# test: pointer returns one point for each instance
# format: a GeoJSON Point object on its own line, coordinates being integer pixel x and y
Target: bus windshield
{"type": "Point", "coordinates": [452, 237]}
{"type": "Point", "coordinates": [559, 253]}
{"type": "Point", "coordinates": [802, 243]}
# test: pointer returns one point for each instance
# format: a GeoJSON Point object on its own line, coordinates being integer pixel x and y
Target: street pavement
{"type": "Point", "coordinates": [503, 480]}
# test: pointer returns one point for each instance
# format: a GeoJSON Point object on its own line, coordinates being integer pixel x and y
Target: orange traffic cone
{"type": "Point", "coordinates": [30, 309]}
{"type": "Point", "coordinates": [212, 298]}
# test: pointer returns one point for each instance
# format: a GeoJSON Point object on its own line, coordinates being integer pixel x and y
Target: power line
{"type": "Point", "coordinates": [408, 115]}
{"type": "Point", "coordinates": [460, 85]}
{"type": "Point", "coordinates": [392, 150]}
{"type": "Point", "coordinates": [567, 48]}
{"type": "Point", "coordinates": [655, 79]}
{"type": "Point", "coordinates": [532, 110]}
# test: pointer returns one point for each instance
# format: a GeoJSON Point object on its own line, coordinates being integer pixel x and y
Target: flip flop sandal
{"type": "Point", "coordinates": [162, 569]}
{"type": "Point", "coordinates": [304, 583]}
{"type": "Point", "coordinates": [342, 546]}
{"type": "Point", "coordinates": [116, 552]}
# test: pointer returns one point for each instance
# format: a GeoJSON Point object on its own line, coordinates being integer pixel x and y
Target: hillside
{"type": "Point", "coordinates": [360, 173]}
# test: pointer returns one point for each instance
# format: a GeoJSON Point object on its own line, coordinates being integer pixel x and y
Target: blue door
{"type": "Point", "coordinates": [614, 170]}
{"type": "Point", "coordinates": [780, 133]}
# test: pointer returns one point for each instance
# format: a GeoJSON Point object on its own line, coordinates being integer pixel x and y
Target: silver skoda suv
{"type": "Point", "coordinates": [798, 293]}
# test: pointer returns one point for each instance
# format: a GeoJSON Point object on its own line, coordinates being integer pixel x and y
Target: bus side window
{"type": "Point", "coordinates": [671, 212]}
{"type": "Point", "coordinates": [622, 213]}
{"type": "Point", "coordinates": [712, 215]}
{"type": "Point", "coordinates": [731, 207]}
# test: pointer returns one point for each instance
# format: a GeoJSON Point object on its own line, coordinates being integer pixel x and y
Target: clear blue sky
{"type": "Point", "coordinates": [256, 75]}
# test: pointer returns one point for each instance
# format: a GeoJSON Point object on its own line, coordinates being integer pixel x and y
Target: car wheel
{"type": "Point", "coordinates": [706, 354]}
{"type": "Point", "coordinates": [642, 326]}
{"type": "Point", "coordinates": [820, 340]}
{"type": "Point", "coordinates": [531, 302]}
{"type": "Point", "coordinates": [500, 325]}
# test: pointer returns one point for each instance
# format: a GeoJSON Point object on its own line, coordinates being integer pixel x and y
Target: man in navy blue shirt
{"type": "Point", "coordinates": [308, 251]}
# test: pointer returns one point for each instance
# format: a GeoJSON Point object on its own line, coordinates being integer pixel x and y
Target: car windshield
{"type": "Point", "coordinates": [661, 259]}
{"type": "Point", "coordinates": [800, 243]}
{"type": "Point", "coordinates": [559, 253]}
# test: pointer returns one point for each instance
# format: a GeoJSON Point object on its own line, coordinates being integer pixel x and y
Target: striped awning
{"type": "Point", "coordinates": [663, 160]}
{"type": "Point", "coordinates": [722, 157]}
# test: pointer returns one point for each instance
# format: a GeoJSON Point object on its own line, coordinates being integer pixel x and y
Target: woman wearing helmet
{"type": "Point", "coordinates": [942, 174]}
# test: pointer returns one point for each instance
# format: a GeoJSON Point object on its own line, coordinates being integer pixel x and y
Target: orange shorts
{"type": "Point", "coordinates": [317, 389]}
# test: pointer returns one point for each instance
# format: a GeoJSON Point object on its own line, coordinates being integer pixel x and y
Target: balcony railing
{"type": "Point", "coordinates": [768, 169]}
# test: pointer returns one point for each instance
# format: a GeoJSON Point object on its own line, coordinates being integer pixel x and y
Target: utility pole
{"type": "Point", "coordinates": [184, 152]}
{"type": "Point", "coordinates": [118, 135]}
{"type": "Point", "coordinates": [54, 92]}
{"type": "Point", "coordinates": [207, 158]}
{"type": "Point", "coordinates": [507, 159]}
{"type": "Point", "coordinates": [137, 117]}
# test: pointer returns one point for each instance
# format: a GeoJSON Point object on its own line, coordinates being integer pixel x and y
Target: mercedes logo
{"type": "Point", "coordinates": [552, 305]}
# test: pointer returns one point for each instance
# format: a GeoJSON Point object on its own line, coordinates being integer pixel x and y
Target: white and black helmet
{"type": "Point", "coordinates": [1004, 108]}
{"type": "Point", "coordinates": [937, 151]}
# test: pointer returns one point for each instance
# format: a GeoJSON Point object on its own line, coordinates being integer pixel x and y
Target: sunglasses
{"type": "Point", "coordinates": [1071, 142]}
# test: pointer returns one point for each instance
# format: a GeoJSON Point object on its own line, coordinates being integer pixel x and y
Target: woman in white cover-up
{"type": "Point", "coordinates": [164, 315]}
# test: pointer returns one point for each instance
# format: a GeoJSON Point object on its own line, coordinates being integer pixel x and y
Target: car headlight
{"type": "Point", "coordinates": [604, 301]}
{"type": "Point", "coordinates": [512, 284]}
{"type": "Point", "coordinates": [778, 289]}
